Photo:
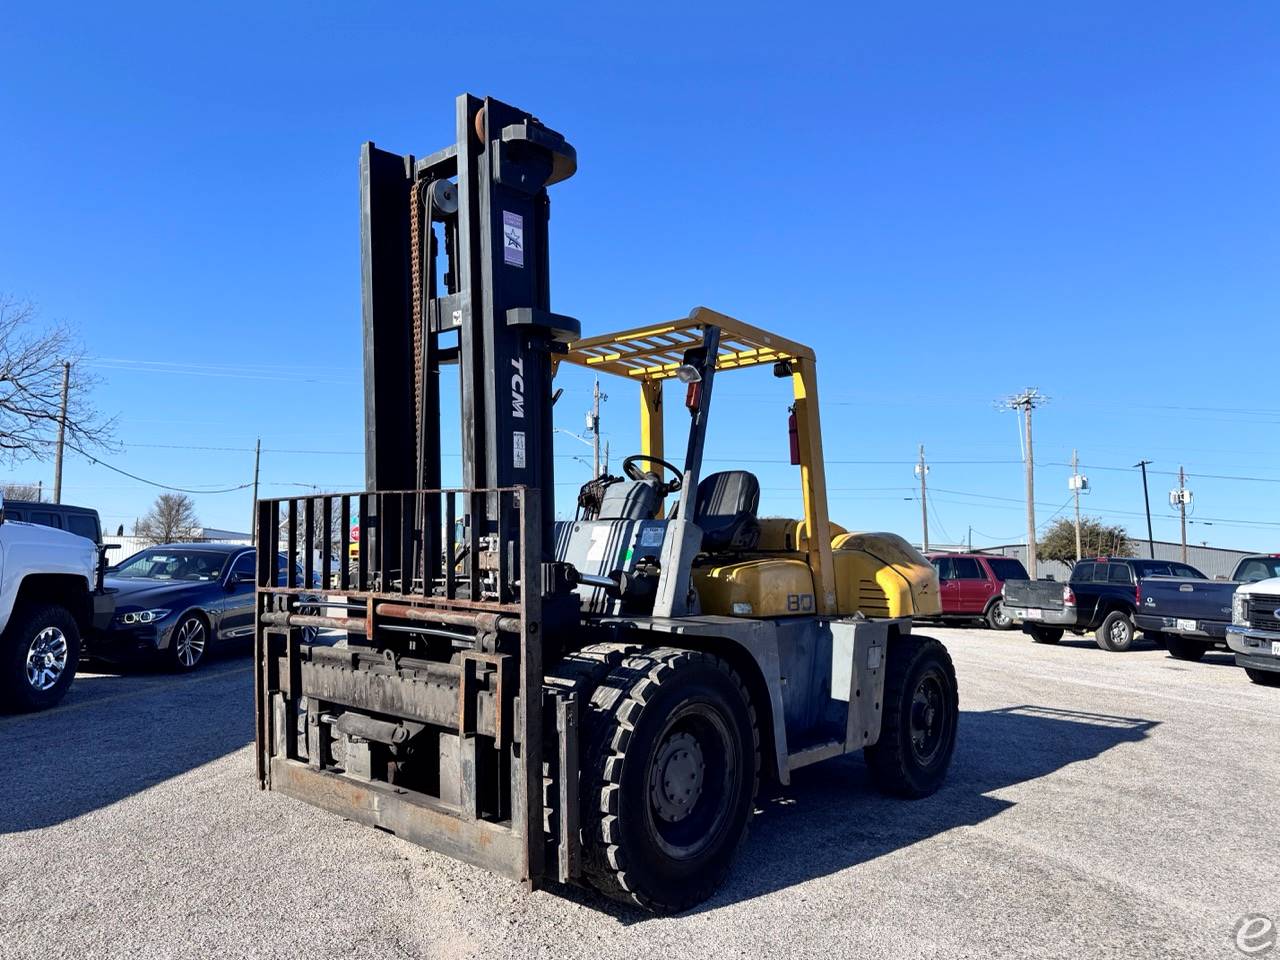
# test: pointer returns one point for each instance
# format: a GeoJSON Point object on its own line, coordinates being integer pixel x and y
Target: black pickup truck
{"type": "Point", "coordinates": [1104, 595]}
{"type": "Point", "coordinates": [1191, 615]}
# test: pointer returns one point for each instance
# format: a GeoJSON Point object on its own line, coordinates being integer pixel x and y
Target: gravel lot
{"type": "Point", "coordinates": [1100, 805]}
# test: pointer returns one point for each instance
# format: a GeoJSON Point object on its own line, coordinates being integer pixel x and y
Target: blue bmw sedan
{"type": "Point", "coordinates": [177, 600]}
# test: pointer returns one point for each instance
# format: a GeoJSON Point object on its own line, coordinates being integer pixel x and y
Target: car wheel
{"type": "Point", "coordinates": [1184, 648]}
{"type": "Point", "coordinates": [39, 655]}
{"type": "Point", "coordinates": [1116, 632]}
{"type": "Point", "coordinates": [188, 643]}
{"type": "Point", "coordinates": [997, 617]}
{"type": "Point", "coordinates": [1264, 678]}
{"type": "Point", "coordinates": [1045, 634]}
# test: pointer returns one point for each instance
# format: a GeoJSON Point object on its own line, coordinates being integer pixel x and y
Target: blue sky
{"type": "Point", "coordinates": [949, 202]}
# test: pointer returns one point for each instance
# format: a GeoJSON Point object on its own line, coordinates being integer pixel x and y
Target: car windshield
{"type": "Point", "coordinates": [161, 564]}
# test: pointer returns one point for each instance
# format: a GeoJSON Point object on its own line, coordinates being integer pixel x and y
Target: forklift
{"type": "Point", "coordinates": [587, 701]}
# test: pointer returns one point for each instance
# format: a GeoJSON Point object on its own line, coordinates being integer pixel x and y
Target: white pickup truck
{"type": "Point", "coordinates": [1254, 634]}
{"type": "Point", "coordinates": [50, 596]}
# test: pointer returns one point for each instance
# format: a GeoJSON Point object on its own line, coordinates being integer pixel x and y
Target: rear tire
{"type": "Point", "coordinates": [39, 656]}
{"type": "Point", "coordinates": [1184, 648]}
{"type": "Point", "coordinates": [670, 769]}
{"type": "Point", "coordinates": [920, 716]}
{"type": "Point", "coordinates": [1045, 634]}
{"type": "Point", "coordinates": [997, 617]}
{"type": "Point", "coordinates": [1264, 678]}
{"type": "Point", "coordinates": [1116, 632]}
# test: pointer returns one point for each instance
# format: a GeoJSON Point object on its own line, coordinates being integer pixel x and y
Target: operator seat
{"type": "Point", "coordinates": [726, 511]}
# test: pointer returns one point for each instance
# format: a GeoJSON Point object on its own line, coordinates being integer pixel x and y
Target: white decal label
{"type": "Point", "coordinates": [517, 449]}
{"type": "Point", "coordinates": [517, 388]}
{"type": "Point", "coordinates": [512, 239]}
{"type": "Point", "coordinates": [599, 541]}
{"type": "Point", "coordinates": [651, 537]}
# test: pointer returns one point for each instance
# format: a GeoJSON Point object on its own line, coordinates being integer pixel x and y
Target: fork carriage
{"type": "Point", "coordinates": [416, 724]}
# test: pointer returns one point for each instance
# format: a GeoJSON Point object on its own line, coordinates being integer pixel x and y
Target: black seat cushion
{"type": "Point", "coordinates": [726, 511]}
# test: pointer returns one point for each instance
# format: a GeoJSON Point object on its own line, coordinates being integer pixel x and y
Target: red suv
{"type": "Point", "coordinates": [970, 584]}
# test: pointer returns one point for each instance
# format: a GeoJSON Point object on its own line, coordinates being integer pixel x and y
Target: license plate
{"type": "Point", "coordinates": [1187, 625]}
{"type": "Point", "coordinates": [1275, 648]}
{"type": "Point", "coordinates": [1033, 615]}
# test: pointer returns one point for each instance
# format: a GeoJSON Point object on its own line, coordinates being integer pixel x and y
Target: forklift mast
{"type": "Point", "coordinates": [483, 302]}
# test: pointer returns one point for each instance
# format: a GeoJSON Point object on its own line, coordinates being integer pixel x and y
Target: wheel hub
{"type": "Point", "coordinates": [46, 658]}
{"type": "Point", "coordinates": [926, 718]}
{"type": "Point", "coordinates": [677, 777]}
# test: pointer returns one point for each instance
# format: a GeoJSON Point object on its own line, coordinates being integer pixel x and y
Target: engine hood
{"type": "Point", "coordinates": [140, 594]}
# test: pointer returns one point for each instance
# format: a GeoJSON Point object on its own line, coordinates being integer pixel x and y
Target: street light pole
{"type": "Point", "coordinates": [1146, 497]}
{"type": "Point", "coordinates": [922, 470]}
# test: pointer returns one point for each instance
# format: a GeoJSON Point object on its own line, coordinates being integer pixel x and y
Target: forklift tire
{"type": "Point", "coordinates": [1264, 678]}
{"type": "Point", "coordinates": [1045, 634]}
{"type": "Point", "coordinates": [670, 768]}
{"type": "Point", "coordinates": [921, 713]}
{"type": "Point", "coordinates": [39, 656]}
{"type": "Point", "coordinates": [1116, 632]}
{"type": "Point", "coordinates": [1184, 648]}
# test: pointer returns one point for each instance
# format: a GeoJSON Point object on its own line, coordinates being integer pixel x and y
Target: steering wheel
{"type": "Point", "coordinates": [630, 467]}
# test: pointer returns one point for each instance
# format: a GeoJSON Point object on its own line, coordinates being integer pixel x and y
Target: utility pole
{"type": "Point", "coordinates": [1027, 401]}
{"type": "Point", "coordinates": [1075, 486]}
{"type": "Point", "coordinates": [922, 471]}
{"type": "Point", "coordinates": [62, 433]}
{"type": "Point", "coordinates": [1182, 496]}
{"type": "Point", "coordinates": [253, 523]}
{"type": "Point", "coordinates": [1146, 497]}
{"type": "Point", "coordinates": [593, 424]}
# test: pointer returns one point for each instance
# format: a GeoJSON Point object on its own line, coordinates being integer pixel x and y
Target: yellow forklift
{"type": "Point", "coordinates": [592, 700]}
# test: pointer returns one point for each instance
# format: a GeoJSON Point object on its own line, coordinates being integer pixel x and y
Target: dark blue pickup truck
{"type": "Point", "coordinates": [1191, 615]}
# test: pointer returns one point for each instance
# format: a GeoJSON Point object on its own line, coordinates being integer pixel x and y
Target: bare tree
{"type": "Point", "coordinates": [22, 491]}
{"type": "Point", "coordinates": [31, 370]}
{"type": "Point", "coordinates": [172, 518]}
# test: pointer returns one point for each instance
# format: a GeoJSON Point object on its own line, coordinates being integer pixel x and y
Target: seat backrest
{"type": "Point", "coordinates": [726, 511]}
{"type": "Point", "coordinates": [630, 500]}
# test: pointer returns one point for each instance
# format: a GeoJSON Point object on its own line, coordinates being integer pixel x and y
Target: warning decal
{"type": "Point", "coordinates": [517, 449]}
{"type": "Point", "coordinates": [513, 239]}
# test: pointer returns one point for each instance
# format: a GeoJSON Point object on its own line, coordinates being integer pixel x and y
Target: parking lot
{"type": "Point", "coordinates": [1115, 805]}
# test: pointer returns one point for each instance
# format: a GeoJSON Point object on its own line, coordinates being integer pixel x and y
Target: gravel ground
{"type": "Point", "coordinates": [1100, 805]}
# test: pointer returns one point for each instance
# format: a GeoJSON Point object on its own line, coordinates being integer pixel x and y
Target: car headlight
{"type": "Point", "coordinates": [1240, 610]}
{"type": "Point", "coordinates": [142, 616]}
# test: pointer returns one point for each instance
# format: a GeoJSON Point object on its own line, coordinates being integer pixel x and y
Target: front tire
{"type": "Point", "coordinates": [39, 655]}
{"type": "Point", "coordinates": [1184, 648]}
{"type": "Point", "coordinates": [1116, 632]}
{"type": "Point", "coordinates": [920, 717]}
{"type": "Point", "coordinates": [997, 617]}
{"type": "Point", "coordinates": [1264, 678]}
{"type": "Point", "coordinates": [669, 778]}
{"type": "Point", "coordinates": [188, 643]}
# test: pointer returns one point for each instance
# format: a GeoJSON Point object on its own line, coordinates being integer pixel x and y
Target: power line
{"type": "Point", "coordinates": [151, 483]}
